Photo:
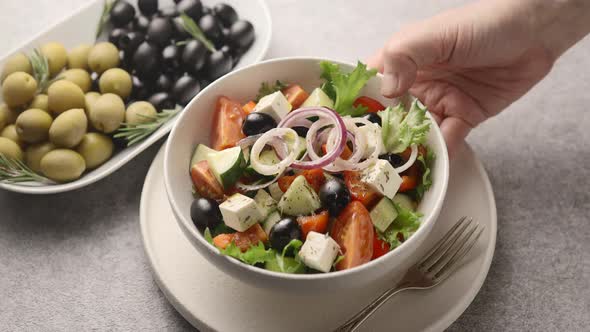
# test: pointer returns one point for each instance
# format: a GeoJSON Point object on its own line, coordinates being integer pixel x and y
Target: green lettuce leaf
{"type": "Point", "coordinates": [344, 88]}
{"type": "Point", "coordinates": [405, 224]}
{"type": "Point", "coordinates": [268, 88]}
{"type": "Point", "coordinates": [254, 255]}
{"type": "Point", "coordinates": [426, 182]}
{"type": "Point", "coordinates": [401, 129]}
{"type": "Point", "coordinates": [288, 264]}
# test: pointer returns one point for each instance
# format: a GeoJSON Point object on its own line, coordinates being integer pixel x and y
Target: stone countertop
{"type": "Point", "coordinates": [75, 261]}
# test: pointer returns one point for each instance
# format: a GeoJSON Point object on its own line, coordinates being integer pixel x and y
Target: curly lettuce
{"type": "Point", "coordinates": [344, 88]}
{"type": "Point", "coordinates": [404, 225]}
{"type": "Point", "coordinates": [426, 161]}
{"type": "Point", "coordinates": [401, 129]}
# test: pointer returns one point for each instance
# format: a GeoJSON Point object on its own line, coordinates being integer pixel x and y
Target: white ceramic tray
{"type": "Point", "coordinates": [212, 300]}
{"type": "Point", "coordinates": [81, 28]}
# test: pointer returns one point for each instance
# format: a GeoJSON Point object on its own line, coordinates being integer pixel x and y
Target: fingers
{"type": "Point", "coordinates": [376, 61]}
{"type": "Point", "coordinates": [454, 131]}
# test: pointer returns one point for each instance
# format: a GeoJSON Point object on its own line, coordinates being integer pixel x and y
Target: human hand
{"type": "Point", "coordinates": [470, 63]}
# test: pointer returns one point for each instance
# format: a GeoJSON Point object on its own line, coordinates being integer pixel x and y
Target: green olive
{"type": "Point", "coordinates": [140, 112]}
{"type": "Point", "coordinates": [78, 56]}
{"type": "Point", "coordinates": [107, 113]}
{"type": "Point", "coordinates": [40, 101]}
{"type": "Point", "coordinates": [64, 95]}
{"type": "Point", "coordinates": [17, 62]}
{"type": "Point", "coordinates": [10, 149]}
{"type": "Point", "coordinates": [95, 148]}
{"type": "Point", "coordinates": [10, 133]}
{"type": "Point", "coordinates": [34, 153]}
{"type": "Point", "coordinates": [18, 89]}
{"type": "Point", "coordinates": [32, 125]}
{"type": "Point", "coordinates": [117, 81]}
{"type": "Point", "coordinates": [8, 114]}
{"type": "Point", "coordinates": [103, 56]}
{"type": "Point", "coordinates": [68, 128]}
{"type": "Point", "coordinates": [56, 55]}
{"type": "Point", "coordinates": [63, 165]}
{"type": "Point", "coordinates": [78, 76]}
{"type": "Point", "coordinates": [89, 99]}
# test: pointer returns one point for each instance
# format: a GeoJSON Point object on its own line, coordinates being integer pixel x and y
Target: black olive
{"type": "Point", "coordinates": [141, 23]}
{"type": "Point", "coordinates": [225, 13]}
{"type": "Point", "coordinates": [177, 1]}
{"type": "Point", "coordinates": [225, 32]}
{"type": "Point", "coordinates": [210, 27]}
{"type": "Point", "coordinates": [160, 31]}
{"type": "Point", "coordinates": [257, 123]}
{"type": "Point", "coordinates": [192, 8]}
{"type": "Point", "coordinates": [116, 34]}
{"type": "Point", "coordinates": [162, 101]}
{"type": "Point", "coordinates": [394, 159]}
{"type": "Point", "coordinates": [146, 60]}
{"type": "Point", "coordinates": [94, 77]}
{"type": "Point", "coordinates": [168, 11]}
{"type": "Point", "coordinates": [373, 117]}
{"type": "Point", "coordinates": [171, 56]}
{"type": "Point", "coordinates": [241, 34]}
{"type": "Point", "coordinates": [139, 91]}
{"type": "Point", "coordinates": [194, 56]}
{"type": "Point", "coordinates": [147, 7]}
{"type": "Point", "coordinates": [185, 89]}
{"type": "Point", "coordinates": [122, 13]}
{"type": "Point", "coordinates": [206, 10]}
{"type": "Point", "coordinates": [179, 30]}
{"type": "Point", "coordinates": [283, 232]}
{"type": "Point", "coordinates": [164, 83]}
{"type": "Point", "coordinates": [204, 83]}
{"type": "Point", "coordinates": [226, 49]}
{"type": "Point", "coordinates": [124, 60]}
{"type": "Point", "coordinates": [218, 64]}
{"type": "Point", "coordinates": [334, 195]}
{"type": "Point", "coordinates": [205, 213]}
{"type": "Point", "coordinates": [131, 41]}
{"type": "Point", "coordinates": [301, 131]}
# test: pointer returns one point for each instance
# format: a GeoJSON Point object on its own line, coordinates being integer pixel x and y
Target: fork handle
{"type": "Point", "coordinates": [353, 323]}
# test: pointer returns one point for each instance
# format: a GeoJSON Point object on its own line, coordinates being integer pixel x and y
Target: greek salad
{"type": "Point", "coordinates": [300, 182]}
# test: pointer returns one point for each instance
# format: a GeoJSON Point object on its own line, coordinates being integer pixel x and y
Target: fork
{"type": "Point", "coordinates": [437, 265]}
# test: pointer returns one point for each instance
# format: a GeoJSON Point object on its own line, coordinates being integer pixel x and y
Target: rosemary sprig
{"type": "Point", "coordinates": [15, 171]}
{"type": "Point", "coordinates": [135, 133]}
{"type": "Point", "coordinates": [193, 29]}
{"type": "Point", "coordinates": [104, 17]}
{"type": "Point", "coordinates": [40, 69]}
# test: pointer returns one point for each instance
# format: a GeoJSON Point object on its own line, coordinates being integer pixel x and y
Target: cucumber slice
{"type": "Point", "coordinates": [270, 221]}
{"type": "Point", "coordinates": [383, 214]}
{"type": "Point", "coordinates": [275, 191]}
{"type": "Point", "coordinates": [404, 201]}
{"type": "Point", "coordinates": [201, 153]}
{"type": "Point", "coordinates": [318, 98]}
{"type": "Point", "coordinates": [266, 204]}
{"type": "Point", "coordinates": [290, 265]}
{"type": "Point", "coordinates": [269, 157]}
{"type": "Point", "coordinates": [227, 165]}
{"type": "Point", "coordinates": [300, 199]}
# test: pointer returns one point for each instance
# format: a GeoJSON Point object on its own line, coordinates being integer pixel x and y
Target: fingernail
{"type": "Point", "coordinates": [390, 84]}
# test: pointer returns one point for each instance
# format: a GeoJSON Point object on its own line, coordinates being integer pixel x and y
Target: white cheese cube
{"type": "Point", "coordinates": [373, 139]}
{"type": "Point", "coordinates": [382, 177]}
{"type": "Point", "coordinates": [319, 251]}
{"type": "Point", "coordinates": [275, 105]}
{"type": "Point", "coordinates": [240, 212]}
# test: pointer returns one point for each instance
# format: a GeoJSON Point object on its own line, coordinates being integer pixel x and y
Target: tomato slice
{"type": "Point", "coordinates": [360, 191]}
{"type": "Point", "coordinates": [243, 240]}
{"type": "Point", "coordinates": [227, 124]}
{"type": "Point", "coordinates": [410, 178]}
{"type": "Point", "coordinates": [249, 107]}
{"type": "Point", "coordinates": [205, 183]}
{"type": "Point", "coordinates": [380, 247]}
{"type": "Point", "coordinates": [354, 233]}
{"type": "Point", "coordinates": [371, 104]}
{"type": "Point", "coordinates": [315, 177]}
{"type": "Point", "coordinates": [317, 223]}
{"type": "Point", "coordinates": [295, 95]}
{"type": "Point", "coordinates": [346, 153]}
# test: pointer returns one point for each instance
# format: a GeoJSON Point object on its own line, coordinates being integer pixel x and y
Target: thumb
{"type": "Point", "coordinates": [410, 50]}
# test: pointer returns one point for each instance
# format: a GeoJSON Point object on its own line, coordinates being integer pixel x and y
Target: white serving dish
{"type": "Point", "coordinates": [193, 128]}
{"type": "Point", "coordinates": [80, 27]}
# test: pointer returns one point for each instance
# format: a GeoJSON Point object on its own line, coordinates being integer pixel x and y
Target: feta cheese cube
{"type": "Point", "coordinates": [382, 177]}
{"type": "Point", "coordinates": [319, 251]}
{"type": "Point", "coordinates": [373, 139]}
{"type": "Point", "coordinates": [240, 212]}
{"type": "Point", "coordinates": [275, 105]}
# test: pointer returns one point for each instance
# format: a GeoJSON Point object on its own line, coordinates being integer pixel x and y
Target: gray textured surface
{"type": "Point", "coordinates": [75, 261]}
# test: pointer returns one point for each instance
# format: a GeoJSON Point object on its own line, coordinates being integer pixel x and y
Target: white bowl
{"type": "Point", "coordinates": [80, 27]}
{"type": "Point", "coordinates": [193, 128]}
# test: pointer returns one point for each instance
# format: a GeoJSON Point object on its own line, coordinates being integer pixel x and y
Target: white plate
{"type": "Point", "coordinates": [80, 27]}
{"type": "Point", "coordinates": [212, 300]}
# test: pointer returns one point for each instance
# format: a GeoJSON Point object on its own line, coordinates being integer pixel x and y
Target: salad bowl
{"type": "Point", "coordinates": [194, 127]}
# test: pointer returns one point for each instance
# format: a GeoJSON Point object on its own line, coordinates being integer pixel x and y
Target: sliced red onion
{"type": "Point", "coordinates": [252, 187]}
{"type": "Point", "coordinates": [248, 141]}
{"type": "Point", "coordinates": [266, 169]}
{"type": "Point", "coordinates": [411, 160]}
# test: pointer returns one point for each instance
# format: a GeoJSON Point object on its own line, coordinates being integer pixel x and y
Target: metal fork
{"type": "Point", "coordinates": [435, 266]}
